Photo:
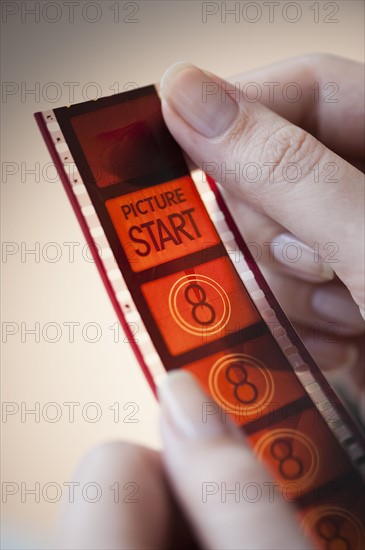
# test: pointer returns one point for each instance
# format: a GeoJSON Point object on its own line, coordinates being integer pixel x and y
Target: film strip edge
{"type": "Point", "coordinates": [313, 389]}
{"type": "Point", "coordinates": [127, 307]}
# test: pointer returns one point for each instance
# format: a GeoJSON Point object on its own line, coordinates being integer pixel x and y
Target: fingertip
{"type": "Point", "coordinates": [198, 99]}
{"type": "Point", "coordinates": [170, 74]}
{"type": "Point", "coordinates": [188, 414]}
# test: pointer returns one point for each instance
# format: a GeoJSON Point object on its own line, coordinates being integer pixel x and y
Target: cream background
{"type": "Point", "coordinates": [38, 211]}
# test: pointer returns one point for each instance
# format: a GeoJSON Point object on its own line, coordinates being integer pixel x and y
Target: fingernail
{"type": "Point", "coordinates": [334, 303]}
{"type": "Point", "coordinates": [200, 101]}
{"type": "Point", "coordinates": [190, 411]}
{"type": "Point", "coordinates": [301, 258]}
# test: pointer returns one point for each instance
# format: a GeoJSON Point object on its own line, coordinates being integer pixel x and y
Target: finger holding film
{"type": "Point", "coordinates": [329, 307]}
{"type": "Point", "coordinates": [333, 355]}
{"type": "Point", "coordinates": [341, 361]}
{"type": "Point", "coordinates": [274, 246]}
{"type": "Point", "coordinates": [206, 456]}
{"type": "Point", "coordinates": [318, 92]}
{"type": "Point", "coordinates": [321, 93]}
{"type": "Point", "coordinates": [127, 490]}
{"type": "Point", "coordinates": [215, 129]}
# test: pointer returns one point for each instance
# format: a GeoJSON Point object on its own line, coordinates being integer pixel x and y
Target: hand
{"type": "Point", "coordinates": [288, 174]}
{"type": "Point", "coordinates": [220, 131]}
{"type": "Point", "coordinates": [204, 458]}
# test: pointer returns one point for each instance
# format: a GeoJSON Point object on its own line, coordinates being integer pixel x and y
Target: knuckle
{"type": "Point", "coordinates": [242, 137]}
{"type": "Point", "coordinates": [318, 59]}
{"type": "Point", "coordinates": [112, 453]}
{"type": "Point", "coordinates": [291, 145]}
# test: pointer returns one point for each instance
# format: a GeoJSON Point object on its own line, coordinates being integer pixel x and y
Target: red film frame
{"type": "Point", "coordinates": [165, 238]}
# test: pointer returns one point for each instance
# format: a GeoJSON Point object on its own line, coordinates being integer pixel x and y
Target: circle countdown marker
{"type": "Point", "coordinates": [247, 396]}
{"type": "Point", "coordinates": [278, 443]}
{"type": "Point", "coordinates": [184, 288]}
{"type": "Point", "coordinates": [335, 526]}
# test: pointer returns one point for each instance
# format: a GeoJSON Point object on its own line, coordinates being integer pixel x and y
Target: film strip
{"type": "Point", "coordinates": [189, 295]}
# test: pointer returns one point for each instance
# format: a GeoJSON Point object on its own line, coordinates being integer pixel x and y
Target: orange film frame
{"type": "Point", "coordinates": [162, 239]}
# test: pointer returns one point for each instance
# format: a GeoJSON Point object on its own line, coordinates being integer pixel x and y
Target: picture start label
{"type": "Point", "coordinates": [161, 223]}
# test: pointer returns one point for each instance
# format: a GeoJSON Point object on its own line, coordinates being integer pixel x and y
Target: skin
{"type": "Point", "coordinates": [170, 512]}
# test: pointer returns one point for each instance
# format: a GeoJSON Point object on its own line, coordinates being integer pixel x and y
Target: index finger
{"type": "Point", "coordinates": [321, 93]}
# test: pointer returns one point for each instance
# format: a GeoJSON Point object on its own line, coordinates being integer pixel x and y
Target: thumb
{"type": "Point", "coordinates": [227, 496]}
{"type": "Point", "coordinates": [273, 165]}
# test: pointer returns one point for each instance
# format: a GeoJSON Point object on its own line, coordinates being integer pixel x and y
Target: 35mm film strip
{"type": "Point", "coordinates": [189, 295]}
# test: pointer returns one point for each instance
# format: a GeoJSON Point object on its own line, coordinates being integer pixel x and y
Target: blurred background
{"type": "Point", "coordinates": [69, 378]}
